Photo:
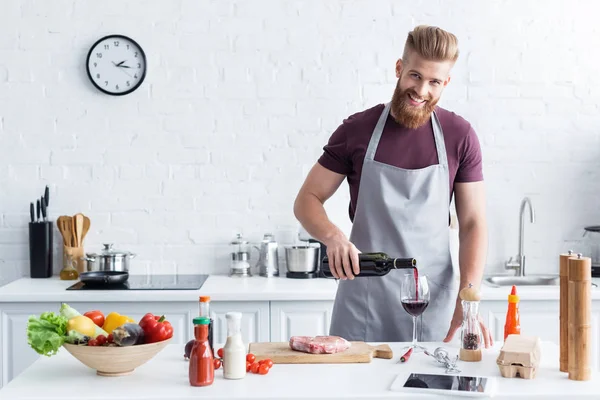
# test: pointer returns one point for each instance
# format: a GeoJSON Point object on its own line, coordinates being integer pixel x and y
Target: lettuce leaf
{"type": "Point", "coordinates": [46, 333]}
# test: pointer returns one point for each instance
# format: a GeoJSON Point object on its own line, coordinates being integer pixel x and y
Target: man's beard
{"type": "Point", "coordinates": [408, 115]}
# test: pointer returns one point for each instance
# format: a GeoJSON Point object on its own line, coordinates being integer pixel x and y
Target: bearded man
{"type": "Point", "coordinates": [404, 160]}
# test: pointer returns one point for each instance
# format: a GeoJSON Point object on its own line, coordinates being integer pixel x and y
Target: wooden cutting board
{"type": "Point", "coordinates": [281, 353]}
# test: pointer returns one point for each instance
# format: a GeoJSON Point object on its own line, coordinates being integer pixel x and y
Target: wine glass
{"type": "Point", "coordinates": [415, 299]}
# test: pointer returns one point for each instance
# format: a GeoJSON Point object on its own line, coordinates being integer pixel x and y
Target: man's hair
{"type": "Point", "coordinates": [431, 43]}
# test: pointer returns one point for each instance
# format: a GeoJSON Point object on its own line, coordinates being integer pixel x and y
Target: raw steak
{"type": "Point", "coordinates": [319, 344]}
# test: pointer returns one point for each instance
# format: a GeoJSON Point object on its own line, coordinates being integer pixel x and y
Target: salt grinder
{"type": "Point", "coordinates": [564, 310]}
{"type": "Point", "coordinates": [580, 316]}
{"type": "Point", "coordinates": [471, 337]}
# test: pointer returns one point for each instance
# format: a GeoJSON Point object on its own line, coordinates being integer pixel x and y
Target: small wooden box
{"type": "Point", "coordinates": [519, 356]}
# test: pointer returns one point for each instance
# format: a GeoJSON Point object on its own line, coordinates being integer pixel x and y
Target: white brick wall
{"type": "Point", "coordinates": [241, 96]}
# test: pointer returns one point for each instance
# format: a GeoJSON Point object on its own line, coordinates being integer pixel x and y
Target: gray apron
{"type": "Point", "coordinates": [403, 213]}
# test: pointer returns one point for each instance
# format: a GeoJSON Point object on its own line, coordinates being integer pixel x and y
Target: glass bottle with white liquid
{"type": "Point", "coordinates": [234, 352]}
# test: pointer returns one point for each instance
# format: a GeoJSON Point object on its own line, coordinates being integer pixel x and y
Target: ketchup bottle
{"type": "Point", "coordinates": [512, 325]}
{"type": "Point", "coordinates": [202, 369]}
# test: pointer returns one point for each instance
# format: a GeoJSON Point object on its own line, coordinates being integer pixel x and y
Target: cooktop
{"type": "Point", "coordinates": [149, 282]}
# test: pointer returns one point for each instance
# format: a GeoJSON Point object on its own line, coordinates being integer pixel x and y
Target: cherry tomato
{"type": "Point", "coordinates": [254, 368]}
{"type": "Point", "coordinates": [263, 369]}
{"type": "Point", "coordinates": [267, 361]}
{"type": "Point", "coordinates": [101, 339]}
{"type": "Point", "coordinates": [217, 363]}
{"type": "Point", "coordinates": [92, 342]}
{"type": "Point", "coordinates": [220, 352]}
{"type": "Point", "coordinates": [96, 316]}
{"type": "Point", "coordinates": [248, 366]}
{"type": "Point", "coordinates": [250, 357]}
{"type": "Point", "coordinates": [110, 338]}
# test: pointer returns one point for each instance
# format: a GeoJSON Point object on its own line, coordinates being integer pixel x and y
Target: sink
{"type": "Point", "coordinates": [528, 280]}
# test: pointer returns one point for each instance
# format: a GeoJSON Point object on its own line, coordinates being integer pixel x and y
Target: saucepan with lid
{"type": "Point", "coordinates": [108, 260]}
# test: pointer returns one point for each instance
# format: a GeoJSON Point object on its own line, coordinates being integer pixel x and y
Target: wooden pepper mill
{"type": "Point", "coordinates": [471, 337]}
{"type": "Point", "coordinates": [580, 316]}
{"type": "Point", "coordinates": [564, 310]}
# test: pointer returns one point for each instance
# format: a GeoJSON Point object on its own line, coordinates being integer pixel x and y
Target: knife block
{"type": "Point", "coordinates": [40, 249]}
{"type": "Point", "coordinates": [74, 255]}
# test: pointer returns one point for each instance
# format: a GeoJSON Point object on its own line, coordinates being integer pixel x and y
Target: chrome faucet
{"type": "Point", "coordinates": [519, 263]}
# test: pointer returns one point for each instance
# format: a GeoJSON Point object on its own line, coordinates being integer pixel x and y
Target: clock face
{"type": "Point", "coordinates": [116, 65]}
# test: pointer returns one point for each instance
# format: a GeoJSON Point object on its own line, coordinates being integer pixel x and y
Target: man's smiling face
{"type": "Point", "coordinates": [419, 88]}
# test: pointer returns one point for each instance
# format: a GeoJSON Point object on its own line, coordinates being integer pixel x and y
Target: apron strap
{"type": "Point", "coordinates": [438, 136]}
{"type": "Point", "coordinates": [440, 144]}
{"type": "Point", "coordinates": [377, 133]}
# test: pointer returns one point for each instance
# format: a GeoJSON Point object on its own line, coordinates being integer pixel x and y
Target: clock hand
{"type": "Point", "coordinates": [119, 64]}
{"type": "Point", "coordinates": [123, 66]}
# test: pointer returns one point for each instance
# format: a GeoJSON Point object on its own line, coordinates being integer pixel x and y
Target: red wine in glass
{"type": "Point", "coordinates": [414, 298]}
{"type": "Point", "coordinates": [414, 307]}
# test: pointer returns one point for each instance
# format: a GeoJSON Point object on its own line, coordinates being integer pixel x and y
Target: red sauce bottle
{"type": "Point", "coordinates": [512, 326]}
{"type": "Point", "coordinates": [202, 369]}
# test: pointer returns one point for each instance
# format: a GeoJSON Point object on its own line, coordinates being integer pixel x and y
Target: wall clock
{"type": "Point", "coordinates": [116, 65]}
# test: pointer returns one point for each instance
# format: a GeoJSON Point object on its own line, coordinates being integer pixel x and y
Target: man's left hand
{"type": "Point", "coordinates": [457, 322]}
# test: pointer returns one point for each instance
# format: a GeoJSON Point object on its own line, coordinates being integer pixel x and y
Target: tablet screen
{"type": "Point", "coordinates": [447, 382]}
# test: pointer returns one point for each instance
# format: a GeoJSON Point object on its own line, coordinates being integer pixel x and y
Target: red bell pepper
{"type": "Point", "coordinates": [156, 328]}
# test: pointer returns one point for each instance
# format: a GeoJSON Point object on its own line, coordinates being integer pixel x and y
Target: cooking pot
{"type": "Point", "coordinates": [302, 258]}
{"type": "Point", "coordinates": [108, 260]}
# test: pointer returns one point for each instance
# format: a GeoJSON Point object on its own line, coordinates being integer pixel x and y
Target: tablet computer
{"type": "Point", "coordinates": [451, 385]}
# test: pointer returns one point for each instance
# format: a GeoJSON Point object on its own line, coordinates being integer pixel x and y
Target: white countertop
{"type": "Point", "coordinates": [225, 288]}
{"type": "Point", "coordinates": [166, 377]}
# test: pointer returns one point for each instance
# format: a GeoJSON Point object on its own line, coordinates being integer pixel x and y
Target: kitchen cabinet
{"type": "Point", "coordinates": [255, 320]}
{"type": "Point", "coordinates": [538, 318]}
{"type": "Point", "coordinates": [302, 318]}
{"type": "Point", "coordinates": [16, 355]}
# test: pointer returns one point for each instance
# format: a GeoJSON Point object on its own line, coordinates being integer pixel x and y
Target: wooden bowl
{"type": "Point", "coordinates": [115, 361]}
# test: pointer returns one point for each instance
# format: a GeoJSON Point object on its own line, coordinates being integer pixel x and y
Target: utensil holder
{"type": "Point", "coordinates": [40, 249]}
{"type": "Point", "coordinates": [76, 254]}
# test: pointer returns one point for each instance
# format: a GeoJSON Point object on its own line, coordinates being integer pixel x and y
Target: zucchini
{"type": "Point", "coordinates": [128, 334]}
{"type": "Point", "coordinates": [69, 312]}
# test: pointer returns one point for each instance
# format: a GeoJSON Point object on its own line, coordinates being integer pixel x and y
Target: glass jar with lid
{"type": "Point", "coordinates": [239, 256]}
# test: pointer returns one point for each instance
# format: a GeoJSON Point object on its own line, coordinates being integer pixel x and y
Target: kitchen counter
{"type": "Point", "coordinates": [165, 377]}
{"type": "Point", "coordinates": [225, 288]}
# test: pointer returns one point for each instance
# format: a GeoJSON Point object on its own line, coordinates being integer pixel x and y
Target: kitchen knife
{"type": "Point", "coordinates": [44, 209]}
{"type": "Point", "coordinates": [47, 196]}
{"type": "Point", "coordinates": [38, 210]}
{"type": "Point", "coordinates": [32, 212]}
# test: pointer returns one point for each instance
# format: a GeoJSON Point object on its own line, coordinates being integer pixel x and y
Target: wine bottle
{"type": "Point", "coordinates": [374, 264]}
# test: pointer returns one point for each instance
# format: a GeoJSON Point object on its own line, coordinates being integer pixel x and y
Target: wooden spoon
{"type": "Point", "coordinates": [86, 227]}
{"type": "Point", "coordinates": [63, 227]}
{"type": "Point", "coordinates": [78, 228]}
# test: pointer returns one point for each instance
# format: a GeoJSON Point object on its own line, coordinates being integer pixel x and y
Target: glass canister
{"type": "Point", "coordinates": [471, 336]}
{"type": "Point", "coordinates": [240, 257]}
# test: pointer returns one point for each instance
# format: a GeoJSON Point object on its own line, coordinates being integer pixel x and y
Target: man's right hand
{"type": "Point", "coordinates": [343, 258]}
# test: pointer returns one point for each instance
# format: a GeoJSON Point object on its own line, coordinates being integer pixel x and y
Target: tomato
{"type": "Point", "coordinates": [250, 357]}
{"type": "Point", "coordinates": [110, 338]}
{"type": "Point", "coordinates": [254, 368]}
{"type": "Point", "coordinates": [267, 361]}
{"type": "Point", "coordinates": [248, 366]}
{"type": "Point", "coordinates": [96, 316]}
{"type": "Point", "coordinates": [92, 342]}
{"type": "Point", "coordinates": [217, 363]}
{"type": "Point", "coordinates": [101, 339]}
{"type": "Point", "coordinates": [220, 352]}
{"type": "Point", "coordinates": [263, 369]}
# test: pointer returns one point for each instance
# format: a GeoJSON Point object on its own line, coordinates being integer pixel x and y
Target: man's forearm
{"type": "Point", "coordinates": [310, 212]}
{"type": "Point", "coordinates": [472, 253]}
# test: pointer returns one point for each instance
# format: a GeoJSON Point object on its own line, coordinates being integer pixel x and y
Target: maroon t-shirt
{"type": "Point", "coordinates": [402, 147]}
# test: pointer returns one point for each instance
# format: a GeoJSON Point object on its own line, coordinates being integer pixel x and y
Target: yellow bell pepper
{"type": "Point", "coordinates": [115, 320]}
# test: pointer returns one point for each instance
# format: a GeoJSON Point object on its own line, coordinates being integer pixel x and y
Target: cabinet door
{"type": "Point", "coordinates": [255, 320]}
{"type": "Point", "coordinates": [16, 353]}
{"type": "Point", "coordinates": [539, 318]}
{"type": "Point", "coordinates": [299, 318]}
{"type": "Point", "coordinates": [179, 314]}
